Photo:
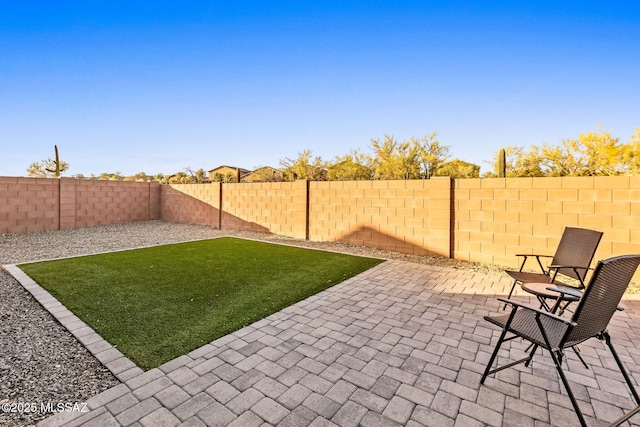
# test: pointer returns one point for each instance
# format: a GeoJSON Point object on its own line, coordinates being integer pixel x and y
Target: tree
{"type": "Point", "coordinates": [264, 174]}
{"type": "Point", "coordinates": [49, 168]}
{"type": "Point", "coordinates": [631, 154]}
{"type": "Point", "coordinates": [518, 162]}
{"type": "Point", "coordinates": [180, 178]}
{"type": "Point", "coordinates": [591, 154]}
{"type": "Point", "coordinates": [161, 178]}
{"type": "Point", "coordinates": [458, 169]}
{"type": "Point", "coordinates": [350, 167]}
{"type": "Point", "coordinates": [395, 160]}
{"type": "Point", "coordinates": [595, 153]}
{"type": "Point", "coordinates": [108, 176]}
{"type": "Point", "coordinates": [226, 178]}
{"type": "Point", "coordinates": [528, 164]}
{"type": "Point", "coordinates": [604, 154]}
{"type": "Point", "coordinates": [198, 177]}
{"type": "Point", "coordinates": [432, 155]}
{"type": "Point", "coordinates": [412, 159]}
{"type": "Point", "coordinates": [304, 167]}
{"type": "Point", "coordinates": [139, 177]}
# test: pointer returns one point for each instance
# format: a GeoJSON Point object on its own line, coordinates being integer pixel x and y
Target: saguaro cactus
{"type": "Point", "coordinates": [501, 165]}
{"type": "Point", "coordinates": [57, 170]}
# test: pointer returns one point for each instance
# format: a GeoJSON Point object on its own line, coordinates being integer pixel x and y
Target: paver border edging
{"type": "Point", "coordinates": [112, 358]}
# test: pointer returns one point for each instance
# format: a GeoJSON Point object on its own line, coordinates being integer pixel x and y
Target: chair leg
{"type": "Point", "coordinates": [636, 410]}
{"type": "Point", "coordinates": [607, 339]}
{"type": "Point", "coordinates": [498, 345]}
{"type": "Point", "coordinates": [533, 348]}
{"type": "Point", "coordinates": [557, 360]}
{"type": "Point", "coordinates": [556, 355]}
{"type": "Point", "coordinates": [513, 286]}
{"type": "Point", "coordinates": [576, 350]}
{"type": "Point", "coordinates": [493, 355]}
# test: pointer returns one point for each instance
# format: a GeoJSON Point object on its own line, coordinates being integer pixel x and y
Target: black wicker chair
{"type": "Point", "coordinates": [554, 333]}
{"type": "Point", "coordinates": [572, 259]}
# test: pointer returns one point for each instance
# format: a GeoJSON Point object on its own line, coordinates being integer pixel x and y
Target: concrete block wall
{"type": "Point", "coordinates": [406, 216]}
{"type": "Point", "coordinates": [484, 220]}
{"type": "Point", "coordinates": [277, 207]}
{"type": "Point", "coordinates": [497, 218]}
{"type": "Point", "coordinates": [108, 202]}
{"type": "Point", "coordinates": [41, 204]}
{"type": "Point", "coordinates": [191, 203]}
{"type": "Point", "coordinates": [29, 204]}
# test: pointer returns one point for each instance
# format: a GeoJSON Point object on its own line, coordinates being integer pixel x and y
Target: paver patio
{"type": "Point", "coordinates": [400, 344]}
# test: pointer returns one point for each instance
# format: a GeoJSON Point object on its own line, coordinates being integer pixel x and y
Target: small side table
{"type": "Point", "coordinates": [542, 292]}
{"type": "Point", "coordinates": [565, 294]}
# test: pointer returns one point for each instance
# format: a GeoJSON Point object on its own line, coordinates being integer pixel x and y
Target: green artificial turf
{"type": "Point", "coordinates": [158, 303]}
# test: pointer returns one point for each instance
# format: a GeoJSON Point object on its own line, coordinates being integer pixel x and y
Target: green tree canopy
{"type": "Point", "coordinates": [350, 167]}
{"type": "Point", "coordinates": [458, 169]}
{"type": "Point", "coordinates": [631, 154]}
{"type": "Point", "coordinates": [431, 153]}
{"type": "Point", "coordinates": [594, 153]}
{"type": "Point", "coordinates": [197, 177]}
{"type": "Point", "coordinates": [304, 167]}
{"type": "Point", "coordinates": [395, 160]}
{"type": "Point", "coordinates": [412, 159]}
{"type": "Point", "coordinates": [519, 162]}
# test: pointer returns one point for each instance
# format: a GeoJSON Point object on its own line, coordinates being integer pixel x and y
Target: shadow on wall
{"type": "Point", "coordinates": [368, 236]}
{"type": "Point", "coordinates": [178, 206]}
{"type": "Point", "coordinates": [232, 222]}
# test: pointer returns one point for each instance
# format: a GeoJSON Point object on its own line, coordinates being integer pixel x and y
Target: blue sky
{"type": "Point", "coordinates": [160, 86]}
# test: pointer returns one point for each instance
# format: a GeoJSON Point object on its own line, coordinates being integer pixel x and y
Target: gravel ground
{"type": "Point", "coordinates": [40, 362]}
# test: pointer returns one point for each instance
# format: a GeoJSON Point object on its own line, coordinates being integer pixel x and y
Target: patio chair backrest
{"type": "Point", "coordinates": [576, 248]}
{"type": "Point", "coordinates": [602, 296]}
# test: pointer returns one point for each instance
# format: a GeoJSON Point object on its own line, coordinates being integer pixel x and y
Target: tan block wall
{"type": "Point", "coordinates": [29, 204]}
{"type": "Point", "coordinates": [276, 207]}
{"type": "Point", "coordinates": [191, 203]}
{"type": "Point", "coordinates": [406, 216]}
{"type": "Point", "coordinates": [497, 218]}
{"type": "Point", "coordinates": [37, 204]}
{"type": "Point", "coordinates": [67, 205]}
{"type": "Point", "coordinates": [484, 220]}
{"type": "Point", "coordinates": [110, 202]}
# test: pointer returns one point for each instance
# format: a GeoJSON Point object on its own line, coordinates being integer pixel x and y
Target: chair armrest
{"type": "Point", "coordinates": [536, 255]}
{"type": "Point", "coordinates": [525, 257]}
{"type": "Point", "coordinates": [560, 319]}
{"type": "Point", "coordinates": [575, 268]}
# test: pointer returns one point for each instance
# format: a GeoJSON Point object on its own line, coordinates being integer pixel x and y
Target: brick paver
{"type": "Point", "coordinates": [400, 344]}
